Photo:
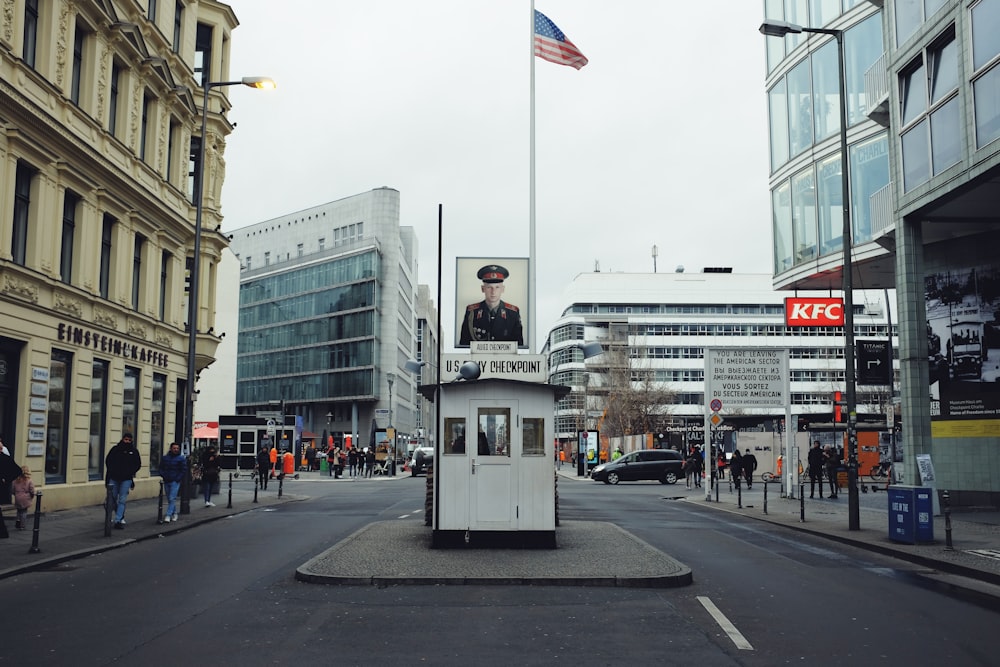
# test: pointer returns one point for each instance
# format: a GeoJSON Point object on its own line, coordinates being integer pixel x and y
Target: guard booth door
{"type": "Point", "coordinates": [497, 444]}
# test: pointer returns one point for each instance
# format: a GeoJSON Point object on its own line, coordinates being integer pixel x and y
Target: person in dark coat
{"type": "Point", "coordinates": [173, 468]}
{"type": "Point", "coordinates": [263, 467]}
{"type": "Point", "coordinates": [815, 461]}
{"type": "Point", "coordinates": [749, 466]}
{"type": "Point", "coordinates": [736, 466]}
{"type": "Point", "coordinates": [831, 461]}
{"type": "Point", "coordinates": [121, 464]}
{"type": "Point", "coordinates": [211, 464]}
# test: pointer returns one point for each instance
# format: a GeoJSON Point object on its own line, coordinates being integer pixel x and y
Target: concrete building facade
{"type": "Point", "coordinates": [328, 311]}
{"type": "Point", "coordinates": [100, 109]}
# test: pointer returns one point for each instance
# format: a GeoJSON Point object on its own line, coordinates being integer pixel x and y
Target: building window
{"type": "Point", "coordinates": [985, 16]}
{"type": "Point", "coordinates": [151, 10]}
{"type": "Point", "coordinates": [70, 203]}
{"type": "Point", "coordinates": [130, 402]}
{"type": "Point", "coordinates": [804, 215]}
{"type": "Point", "coordinates": [140, 242]}
{"type": "Point", "coordinates": [178, 22]}
{"type": "Point", "coordinates": [144, 126]}
{"type": "Point", "coordinates": [78, 42]}
{"type": "Point", "coordinates": [322, 244]}
{"type": "Point", "coordinates": [22, 205]}
{"type": "Point", "coordinates": [869, 172]}
{"type": "Point", "coordinates": [56, 420]}
{"type": "Point", "coordinates": [157, 412]}
{"type": "Point", "coordinates": [172, 141]}
{"type": "Point", "coordinates": [781, 210]}
{"type": "Point", "coordinates": [194, 173]}
{"type": "Point", "coordinates": [203, 54]}
{"type": "Point", "coordinates": [116, 77]}
{"type": "Point", "coordinates": [299, 250]}
{"type": "Point", "coordinates": [30, 32]}
{"type": "Point", "coordinates": [910, 14]}
{"type": "Point", "coordinates": [165, 261]}
{"type": "Point", "coordinates": [98, 418]}
{"type": "Point", "coordinates": [931, 133]}
{"type": "Point", "coordinates": [107, 232]}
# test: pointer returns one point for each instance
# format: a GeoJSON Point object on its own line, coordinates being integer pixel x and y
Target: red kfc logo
{"type": "Point", "coordinates": [814, 312]}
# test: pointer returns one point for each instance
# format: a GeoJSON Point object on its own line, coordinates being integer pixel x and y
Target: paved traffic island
{"type": "Point", "coordinates": [394, 553]}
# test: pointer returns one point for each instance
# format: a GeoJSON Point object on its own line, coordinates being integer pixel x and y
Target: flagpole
{"type": "Point", "coordinates": [531, 188]}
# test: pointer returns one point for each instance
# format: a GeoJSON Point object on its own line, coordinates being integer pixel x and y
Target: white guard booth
{"type": "Point", "coordinates": [494, 473]}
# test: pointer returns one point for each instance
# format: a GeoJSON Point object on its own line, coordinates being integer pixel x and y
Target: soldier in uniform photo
{"type": "Point", "coordinates": [491, 318]}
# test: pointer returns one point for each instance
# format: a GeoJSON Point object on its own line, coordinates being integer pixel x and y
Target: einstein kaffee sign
{"type": "Point", "coordinates": [746, 377]}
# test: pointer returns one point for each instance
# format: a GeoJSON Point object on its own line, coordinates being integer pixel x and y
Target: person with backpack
{"type": "Point", "coordinates": [749, 466]}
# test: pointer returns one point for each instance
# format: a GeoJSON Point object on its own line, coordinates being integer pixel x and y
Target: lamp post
{"type": "Point", "coordinates": [773, 28]}
{"type": "Point", "coordinates": [390, 378]}
{"type": "Point", "coordinates": [199, 191]}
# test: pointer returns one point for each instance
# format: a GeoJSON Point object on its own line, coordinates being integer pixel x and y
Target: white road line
{"type": "Point", "coordinates": [738, 639]}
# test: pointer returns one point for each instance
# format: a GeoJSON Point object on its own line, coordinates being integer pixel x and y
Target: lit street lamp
{"type": "Point", "coordinates": [773, 28]}
{"type": "Point", "coordinates": [199, 191]}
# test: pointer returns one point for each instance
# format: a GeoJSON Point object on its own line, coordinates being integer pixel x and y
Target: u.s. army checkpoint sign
{"type": "Point", "coordinates": [747, 377]}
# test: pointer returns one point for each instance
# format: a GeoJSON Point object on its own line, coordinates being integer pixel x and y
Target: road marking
{"type": "Point", "coordinates": [738, 639]}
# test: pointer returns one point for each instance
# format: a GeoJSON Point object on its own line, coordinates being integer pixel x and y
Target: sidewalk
{"type": "Point", "coordinates": [975, 552]}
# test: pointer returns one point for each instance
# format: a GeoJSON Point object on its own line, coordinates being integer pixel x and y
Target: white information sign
{"type": "Point", "coordinates": [524, 367]}
{"type": "Point", "coordinates": [747, 377]}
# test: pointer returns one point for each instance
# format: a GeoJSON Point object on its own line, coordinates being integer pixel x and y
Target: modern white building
{"type": "Point", "coordinates": [328, 316]}
{"type": "Point", "coordinates": [658, 326]}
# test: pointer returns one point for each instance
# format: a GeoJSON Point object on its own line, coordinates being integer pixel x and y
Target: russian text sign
{"type": "Point", "coordinates": [747, 377]}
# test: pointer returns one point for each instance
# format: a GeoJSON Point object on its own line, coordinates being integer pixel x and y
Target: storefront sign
{"type": "Point", "coordinates": [109, 344]}
{"type": "Point", "coordinates": [814, 312]}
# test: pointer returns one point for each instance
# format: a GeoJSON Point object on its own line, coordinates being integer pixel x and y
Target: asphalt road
{"type": "Point", "coordinates": [224, 593]}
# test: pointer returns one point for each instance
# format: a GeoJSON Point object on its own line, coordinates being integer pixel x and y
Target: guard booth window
{"type": "Point", "coordinates": [532, 436]}
{"type": "Point", "coordinates": [454, 436]}
{"type": "Point", "coordinates": [493, 438]}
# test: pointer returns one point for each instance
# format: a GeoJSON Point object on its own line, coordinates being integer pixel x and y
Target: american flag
{"type": "Point", "coordinates": [551, 44]}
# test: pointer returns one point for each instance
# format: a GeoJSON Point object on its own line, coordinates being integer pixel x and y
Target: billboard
{"type": "Point", "coordinates": [491, 300]}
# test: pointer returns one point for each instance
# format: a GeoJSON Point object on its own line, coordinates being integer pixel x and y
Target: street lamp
{"type": "Point", "coordinates": [774, 28]}
{"type": "Point", "coordinates": [199, 190]}
{"type": "Point", "coordinates": [390, 378]}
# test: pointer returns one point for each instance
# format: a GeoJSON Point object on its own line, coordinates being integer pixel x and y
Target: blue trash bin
{"type": "Point", "coordinates": [911, 514]}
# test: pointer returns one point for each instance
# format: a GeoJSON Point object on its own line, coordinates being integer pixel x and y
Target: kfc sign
{"type": "Point", "coordinates": [814, 312]}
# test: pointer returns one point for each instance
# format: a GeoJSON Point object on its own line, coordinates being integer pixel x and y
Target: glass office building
{"type": "Point", "coordinates": [923, 105]}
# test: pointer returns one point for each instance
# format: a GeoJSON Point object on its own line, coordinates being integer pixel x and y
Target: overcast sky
{"type": "Point", "coordinates": [660, 140]}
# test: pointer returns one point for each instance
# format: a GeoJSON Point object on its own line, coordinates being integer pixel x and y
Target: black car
{"type": "Point", "coordinates": [423, 458]}
{"type": "Point", "coordinates": [664, 465]}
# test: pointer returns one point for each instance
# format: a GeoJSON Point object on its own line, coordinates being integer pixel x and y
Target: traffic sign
{"type": "Point", "coordinates": [874, 362]}
{"type": "Point", "coordinates": [716, 419]}
{"type": "Point", "coordinates": [716, 405]}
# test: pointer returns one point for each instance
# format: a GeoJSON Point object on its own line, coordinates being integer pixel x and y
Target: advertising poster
{"type": "Point", "coordinates": [963, 343]}
{"type": "Point", "coordinates": [491, 297]}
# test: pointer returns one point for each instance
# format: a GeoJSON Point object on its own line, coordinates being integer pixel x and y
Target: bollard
{"type": "Point", "coordinates": [38, 517]}
{"type": "Point", "coordinates": [109, 508]}
{"type": "Point", "coordinates": [159, 505]}
{"type": "Point", "coordinates": [739, 495]}
{"type": "Point", "coordinates": [255, 494]}
{"type": "Point", "coordinates": [765, 496]}
{"type": "Point", "coordinates": [281, 480]}
{"type": "Point", "coordinates": [716, 492]}
{"type": "Point", "coordinates": [946, 500]}
{"type": "Point", "coordinates": [229, 505]}
{"type": "Point", "coordinates": [802, 503]}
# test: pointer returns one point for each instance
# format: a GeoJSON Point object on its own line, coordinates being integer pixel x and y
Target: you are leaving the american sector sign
{"type": "Point", "coordinates": [742, 377]}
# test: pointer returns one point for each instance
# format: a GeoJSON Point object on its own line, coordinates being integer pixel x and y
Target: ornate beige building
{"type": "Point", "coordinates": [99, 134]}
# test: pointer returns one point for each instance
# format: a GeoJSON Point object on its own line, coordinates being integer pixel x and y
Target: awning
{"type": "Point", "coordinates": [206, 433]}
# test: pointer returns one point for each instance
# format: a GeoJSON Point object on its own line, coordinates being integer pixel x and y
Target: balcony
{"type": "Point", "coordinates": [877, 91]}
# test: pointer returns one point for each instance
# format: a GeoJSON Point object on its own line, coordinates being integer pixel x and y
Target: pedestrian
{"type": "Point", "coordinates": [720, 465]}
{"type": "Point", "coordinates": [121, 464]}
{"type": "Point", "coordinates": [273, 455]}
{"type": "Point", "coordinates": [24, 494]}
{"type": "Point", "coordinates": [310, 458]}
{"type": "Point", "coordinates": [690, 463]}
{"type": "Point", "coordinates": [352, 462]}
{"type": "Point", "coordinates": [369, 461]}
{"type": "Point", "coordinates": [736, 466]}
{"type": "Point", "coordinates": [263, 467]}
{"type": "Point", "coordinates": [749, 466]}
{"type": "Point", "coordinates": [617, 454]}
{"type": "Point", "coordinates": [815, 460]}
{"type": "Point", "coordinates": [211, 464]}
{"type": "Point", "coordinates": [341, 461]}
{"type": "Point", "coordinates": [331, 462]}
{"type": "Point", "coordinates": [173, 468]}
{"type": "Point", "coordinates": [831, 462]}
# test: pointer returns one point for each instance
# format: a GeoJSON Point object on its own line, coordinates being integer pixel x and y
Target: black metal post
{"type": "Point", "coordinates": [946, 501]}
{"type": "Point", "coordinates": [765, 496]}
{"type": "Point", "coordinates": [37, 523]}
{"type": "Point", "coordinates": [739, 495]}
{"type": "Point", "coordinates": [159, 505]}
{"type": "Point", "coordinates": [281, 481]}
{"type": "Point", "coordinates": [109, 507]}
{"type": "Point", "coordinates": [229, 505]}
{"type": "Point", "coordinates": [802, 502]}
{"type": "Point", "coordinates": [255, 493]}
